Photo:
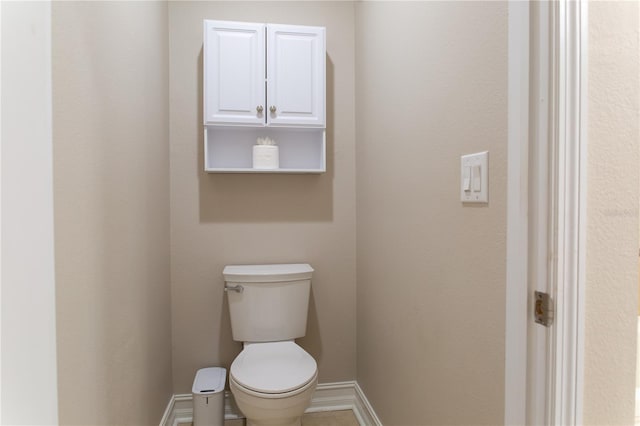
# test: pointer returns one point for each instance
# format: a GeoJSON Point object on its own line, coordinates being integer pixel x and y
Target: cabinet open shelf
{"type": "Point", "coordinates": [229, 149]}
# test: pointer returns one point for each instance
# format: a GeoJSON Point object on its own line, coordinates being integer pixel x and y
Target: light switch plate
{"type": "Point", "coordinates": [473, 162]}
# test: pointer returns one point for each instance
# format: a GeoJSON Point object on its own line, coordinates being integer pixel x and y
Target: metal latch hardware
{"type": "Point", "coordinates": [543, 309]}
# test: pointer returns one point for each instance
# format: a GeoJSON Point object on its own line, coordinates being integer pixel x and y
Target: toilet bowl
{"type": "Point", "coordinates": [272, 379]}
{"type": "Point", "coordinates": [273, 383]}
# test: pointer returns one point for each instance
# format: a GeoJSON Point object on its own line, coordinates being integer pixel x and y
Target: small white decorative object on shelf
{"type": "Point", "coordinates": [265, 154]}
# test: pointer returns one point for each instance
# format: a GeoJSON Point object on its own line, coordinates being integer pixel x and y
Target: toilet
{"type": "Point", "coordinates": [272, 379]}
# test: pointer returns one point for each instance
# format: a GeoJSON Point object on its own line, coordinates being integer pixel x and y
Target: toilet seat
{"type": "Point", "coordinates": [273, 368]}
{"type": "Point", "coordinates": [237, 388]}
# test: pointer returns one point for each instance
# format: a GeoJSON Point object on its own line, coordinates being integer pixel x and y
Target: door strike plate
{"type": "Point", "coordinates": [543, 309]}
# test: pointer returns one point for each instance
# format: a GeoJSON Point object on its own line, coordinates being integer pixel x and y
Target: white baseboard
{"type": "Point", "coordinates": [328, 397]}
{"type": "Point", "coordinates": [637, 421]}
{"type": "Point", "coordinates": [364, 410]}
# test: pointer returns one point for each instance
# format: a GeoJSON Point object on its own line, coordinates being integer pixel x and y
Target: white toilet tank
{"type": "Point", "coordinates": [268, 303]}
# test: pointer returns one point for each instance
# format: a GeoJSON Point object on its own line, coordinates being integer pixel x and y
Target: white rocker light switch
{"type": "Point", "coordinates": [474, 178]}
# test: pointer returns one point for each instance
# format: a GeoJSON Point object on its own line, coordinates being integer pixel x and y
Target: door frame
{"type": "Point", "coordinates": [28, 305]}
{"type": "Point", "coordinates": [562, 234]}
{"type": "Point", "coordinates": [568, 190]}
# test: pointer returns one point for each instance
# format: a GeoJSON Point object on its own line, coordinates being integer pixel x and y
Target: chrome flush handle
{"type": "Point", "coordinates": [237, 288]}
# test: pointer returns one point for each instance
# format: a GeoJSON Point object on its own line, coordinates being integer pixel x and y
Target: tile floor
{"type": "Point", "coordinates": [330, 418]}
{"type": "Point", "coordinates": [324, 418]}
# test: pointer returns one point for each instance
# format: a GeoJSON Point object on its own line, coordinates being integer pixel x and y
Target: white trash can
{"type": "Point", "coordinates": [208, 396]}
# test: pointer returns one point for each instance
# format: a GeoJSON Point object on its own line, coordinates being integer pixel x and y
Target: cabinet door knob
{"type": "Point", "coordinates": [259, 109]}
{"type": "Point", "coordinates": [272, 108]}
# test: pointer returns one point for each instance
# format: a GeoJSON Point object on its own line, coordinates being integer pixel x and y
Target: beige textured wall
{"type": "Point", "coordinates": [219, 219]}
{"type": "Point", "coordinates": [612, 212]}
{"type": "Point", "coordinates": [431, 86]}
{"type": "Point", "coordinates": [111, 199]}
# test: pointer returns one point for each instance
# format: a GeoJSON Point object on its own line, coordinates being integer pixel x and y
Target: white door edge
{"type": "Point", "coordinates": [540, 205]}
{"type": "Point", "coordinates": [517, 209]}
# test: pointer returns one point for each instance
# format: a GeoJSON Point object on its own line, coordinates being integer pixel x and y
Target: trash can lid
{"type": "Point", "coordinates": [209, 381]}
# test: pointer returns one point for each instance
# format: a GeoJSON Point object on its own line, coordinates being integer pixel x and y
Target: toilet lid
{"type": "Point", "coordinates": [273, 367]}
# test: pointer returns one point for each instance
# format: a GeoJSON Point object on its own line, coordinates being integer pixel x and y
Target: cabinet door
{"type": "Point", "coordinates": [234, 73]}
{"type": "Point", "coordinates": [295, 75]}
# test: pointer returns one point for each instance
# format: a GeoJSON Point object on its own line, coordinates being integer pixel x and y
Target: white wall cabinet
{"type": "Point", "coordinates": [234, 73]}
{"type": "Point", "coordinates": [295, 75]}
{"type": "Point", "coordinates": [264, 76]}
